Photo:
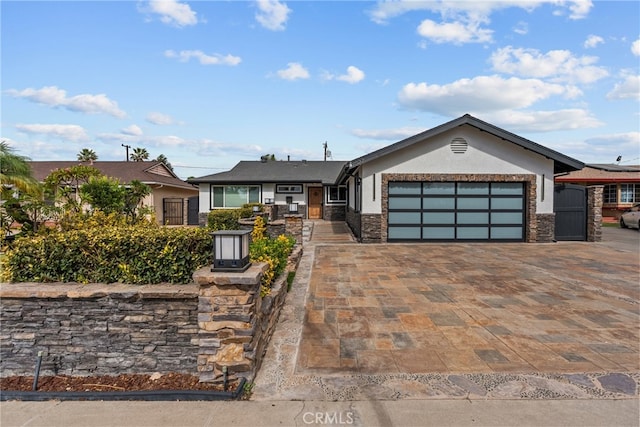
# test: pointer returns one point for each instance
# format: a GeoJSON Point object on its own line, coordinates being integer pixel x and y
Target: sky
{"type": "Point", "coordinates": [211, 83]}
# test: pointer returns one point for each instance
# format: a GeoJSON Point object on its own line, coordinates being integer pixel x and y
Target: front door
{"type": "Point", "coordinates": [315, 203]}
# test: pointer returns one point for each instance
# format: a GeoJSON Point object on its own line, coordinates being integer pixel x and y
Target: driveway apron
{"type": "Point", "coordinates": [380, 321]}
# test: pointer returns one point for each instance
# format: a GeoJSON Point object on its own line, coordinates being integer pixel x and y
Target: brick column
{"type": "Point", "coordinates": [594, 213]}
{"type": "Point", "coordinates": [228, 311]}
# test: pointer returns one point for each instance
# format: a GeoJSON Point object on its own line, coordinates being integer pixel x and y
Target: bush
{"type": "Point", "coordinates": [275, 252]}
{"type": "Point", "coordinates": [227, 219]}
{"type": "Point", "coordinates": [128, 254]}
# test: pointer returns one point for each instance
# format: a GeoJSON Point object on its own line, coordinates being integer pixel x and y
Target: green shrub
{"type": "Point", "coordinates": [274, 252]}
{"type": "Point", "coordinates": [128, 254]}
{"type": "Point", "coordinates": [227, 219]}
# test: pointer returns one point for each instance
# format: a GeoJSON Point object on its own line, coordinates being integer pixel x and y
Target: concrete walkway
{"type": "Point", "coordinates": [465, 321]}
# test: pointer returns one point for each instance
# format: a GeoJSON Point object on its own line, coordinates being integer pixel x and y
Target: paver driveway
{"type": "Point", "coordinates": [419, 308]}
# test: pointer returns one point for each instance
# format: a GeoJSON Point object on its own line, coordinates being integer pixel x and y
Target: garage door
{"type": "Point", "coordinates": [456, 211]}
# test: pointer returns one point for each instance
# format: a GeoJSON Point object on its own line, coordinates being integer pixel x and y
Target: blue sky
{"type": "Point", "coordinates": [210, 83]}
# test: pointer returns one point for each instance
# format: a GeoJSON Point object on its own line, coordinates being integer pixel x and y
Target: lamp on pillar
{"type": "Point", "coordinates": [231, 250]}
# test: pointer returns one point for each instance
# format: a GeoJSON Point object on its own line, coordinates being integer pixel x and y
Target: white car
{"type": "Point", "coordinates": [631, 217]}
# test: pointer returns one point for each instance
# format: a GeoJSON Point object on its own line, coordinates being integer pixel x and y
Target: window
{"type": "Point", "coordinates": [337, 194]}
{"type": "Point", "coordinates": [629, 193]}
{"type": "Point", "coordinates": [234, 196]}
{"type": "Point", "coordinates": [610, 193]}
{"type": "Point", "coordinates": [292, 188]}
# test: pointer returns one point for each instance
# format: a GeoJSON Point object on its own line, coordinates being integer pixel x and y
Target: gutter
{"type": "Point", "coordinates": [143, 395]}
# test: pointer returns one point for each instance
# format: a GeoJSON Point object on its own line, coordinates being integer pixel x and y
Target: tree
{"type": "Point", "coordinates": [139, 154]}
{"type": "Point", "coordinates": [104, 194]}
{"type": "Point", "coordinates": [15, 172]}
{"type": "Point", "coordinates": [64, 185]}
{"type": "Point", "coordinates": [134, 193]}
{"type": "Point", "coordinates": [162, 158]}
{"type": "Point", "coordinates": [87, 156]}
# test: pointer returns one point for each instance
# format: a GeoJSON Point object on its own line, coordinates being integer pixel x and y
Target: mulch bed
{"type": "Point", "coordinates": [127, 382]}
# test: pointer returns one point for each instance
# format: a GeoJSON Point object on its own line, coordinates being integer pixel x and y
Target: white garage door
{"type": "Point", "coordinates": [456, 211]}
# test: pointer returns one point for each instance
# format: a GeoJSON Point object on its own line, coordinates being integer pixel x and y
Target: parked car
{"type": "Point", "coordinates": [631, 217]}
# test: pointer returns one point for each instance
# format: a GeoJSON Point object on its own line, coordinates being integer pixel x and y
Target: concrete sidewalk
{"type": "Point", "coordinates": [520, 413]}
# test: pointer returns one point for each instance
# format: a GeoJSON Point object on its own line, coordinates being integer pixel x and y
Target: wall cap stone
{"type": "Point", "coordinates": [251, 276]}
{"type": "Point", "coordinates": [96, 290]}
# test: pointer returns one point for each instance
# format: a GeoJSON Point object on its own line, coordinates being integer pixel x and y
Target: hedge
{"type": "Point", "coordinates": [128, 254]}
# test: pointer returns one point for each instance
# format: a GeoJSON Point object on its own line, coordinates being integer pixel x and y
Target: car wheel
{"type": "Point", "coordinates": [622, 224]}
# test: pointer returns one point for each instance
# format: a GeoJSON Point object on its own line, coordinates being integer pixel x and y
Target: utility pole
{"type": "Point", "coordinates": [127, 147]}
{"type": "Point", "coordinates": [326, 151]}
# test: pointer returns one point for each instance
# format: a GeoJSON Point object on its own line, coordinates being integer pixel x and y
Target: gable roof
{"type": "Point", "coordinates": [601, 173]}
{"type": "Point", "coordinates": [147, 172]}
{"type": "Point", "coordinates": [274, 171]}
{"type": "Point", "coordinates": [562, 163]}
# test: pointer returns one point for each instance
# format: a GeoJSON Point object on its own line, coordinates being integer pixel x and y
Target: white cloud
{"type": "Point", "coordinates": [593, 41]}
{"type": "Point", "coordinates": [635, 47]}
{"type": "Point", "coordinates": [628, 88]}
{"type": "Point", "coordinates": [354, 75]}
{"type": "Point", "coordinates": [85, 103]}
{"type": "Point", "coordinates": [133, 130]}
{"type": "Point", "coordinates": [483, 93]}
{"type": "Point", "coordinates": [386, 10]}
{"type": "Point", "coordinates": [602, 148]}
{"type": "Point", "coordinates": [204, 59]}
{"type": "Point", "coordinates": [557, 65]}
{"type": "Point", "coordinates": [294, 71]}
{"type": "Point", "coordinates": [454, 32]}
{"type": "Point", "coordinates": [160, 119]}
{"type": "Point", "coordinates": [272, 14]}
{"type": "Point", "coordinates": [521, 28]}
{"type": "Point", "coordinates": [387, 134]}
{"type": "Point", "coordinates": [171, 12]}
{"type": "Point", "coordinates": [73, 133]}
{"type": "Point", "coordinates": [543, 121]}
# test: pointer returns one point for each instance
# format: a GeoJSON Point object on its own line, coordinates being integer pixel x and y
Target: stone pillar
{"type": "Point", "coordinates": [228, 311]}
{"type": "Point", "coordinates": [594, 213]}
{"type": "Point", "coordinates": [293, 226]}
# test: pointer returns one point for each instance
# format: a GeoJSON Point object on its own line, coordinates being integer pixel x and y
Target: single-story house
{"type": "Point", "coordinates": [465, 180]}
{"type": "Point", "coordinates": [170, 196]}
{"type": "Point", "coordinates": [302, 187]}
{"type": "Point", "coordinates": [621, 185]}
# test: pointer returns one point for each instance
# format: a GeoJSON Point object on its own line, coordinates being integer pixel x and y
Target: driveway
{"type": "Point", "coordinates": [402, 315]}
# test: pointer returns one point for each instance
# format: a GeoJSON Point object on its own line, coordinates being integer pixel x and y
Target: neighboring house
{"type": "Point", "coordinates": [621, 185]}
{"type": "Point", "coordinates": [170, 196]}
{"type": "Point", "coordinates": [302, 187]}
{"type": "Point", "coordinates": [465, 180]}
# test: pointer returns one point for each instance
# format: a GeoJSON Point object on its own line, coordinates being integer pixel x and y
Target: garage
{"type": "Point", "coordinates": [456, 211]}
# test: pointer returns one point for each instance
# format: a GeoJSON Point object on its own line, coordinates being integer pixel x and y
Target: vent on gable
{"type": "Point", "coordinates": [459, 145]}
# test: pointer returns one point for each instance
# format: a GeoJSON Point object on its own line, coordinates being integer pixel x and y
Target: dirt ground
{"type": "Point", "coordinates": [133, 382]}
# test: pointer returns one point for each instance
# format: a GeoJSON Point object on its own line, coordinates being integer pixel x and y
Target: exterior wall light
{"type": "Point", "coordinates": [268, 201]}
{"type": "Point", "coordinates": [231, 250]}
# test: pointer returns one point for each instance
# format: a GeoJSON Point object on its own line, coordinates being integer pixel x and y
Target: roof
{"type": "Point", "coordinates": [562, 163]}
{"type": "Point", "coordinates": [601, 173]}
{"type": "Point", "coordinates": [146, 172]}
{"type": "Point", "coordinates": [275, 171]}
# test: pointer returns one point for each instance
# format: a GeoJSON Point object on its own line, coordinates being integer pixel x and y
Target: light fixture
{"type": "Point", "coordinates": [256, 209]}
{"type": "Point", "coordinates": [231, 250]}
{"type": "Point", "coordinates": [293, 208]}
{"type": "Point", "coordinates": [268, 201]}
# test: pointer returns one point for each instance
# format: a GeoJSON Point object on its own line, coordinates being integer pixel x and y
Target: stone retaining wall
{"type": "Point", "coordinates": [98, 329]}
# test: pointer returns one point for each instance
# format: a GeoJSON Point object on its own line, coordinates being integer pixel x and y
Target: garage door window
{"type": "Point", "coordinates": [450, 211]}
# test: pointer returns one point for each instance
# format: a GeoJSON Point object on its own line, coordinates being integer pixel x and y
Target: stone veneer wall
{"type": "Point", "coordinates": [594, 213]}
{"type": "Point", "coordinates": [546, 227]}
{"type": "Point", "coordinates": [334, 212]}
{"type": "Point", "coordinates": [353, 221]}
{"type": "Point", "coordinates": [98, 329]}
{"type": "Point", "coordinates": [531, 223]}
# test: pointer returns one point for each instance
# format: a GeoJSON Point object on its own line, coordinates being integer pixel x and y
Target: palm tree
{"type": "Point", "coordinates": [16, 172]}
{"type": "Point", "coordinates": [139, 154]}
{"type": "Point", "coordinates": [87, 155]}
